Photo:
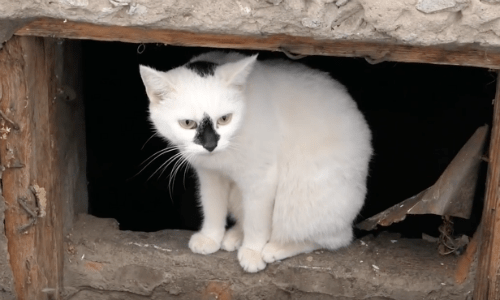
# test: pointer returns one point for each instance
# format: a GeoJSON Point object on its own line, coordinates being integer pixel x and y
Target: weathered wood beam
{"type": "Point", "coordinates": [464, 55]}
{"type": "Point", "coordinates": [31, 167]}
{"type": "Point", "coordinates": [488, 272]}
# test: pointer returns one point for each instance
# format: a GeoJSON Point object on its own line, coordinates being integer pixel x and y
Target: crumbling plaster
{"type": "Point", "coordinates": [414, 22]}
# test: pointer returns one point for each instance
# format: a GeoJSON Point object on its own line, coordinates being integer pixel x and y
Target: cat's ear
{"type": "Point", "coordinates": [236, 73]}
{"type": "Point", "coordinates": [157, 84]}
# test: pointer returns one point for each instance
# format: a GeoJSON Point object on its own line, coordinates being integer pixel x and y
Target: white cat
{"type": "Point", "coordinates": [281, 147]}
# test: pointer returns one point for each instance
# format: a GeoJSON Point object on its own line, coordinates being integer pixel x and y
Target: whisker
{"type": "Point", "coordinates": [234, 145]}
{"type": "Point", "coordinates": [166, 163]}
{"type": "Point", "coordinates": [179, 158]}
{"type": "Point", "coordinates": [148, 140]}
{"type": "Point", "coordinates": [187, 166]}
{"type": "Point", "coordinates": [171, 179]}
{"type": "Point", "coordinates": [153, 157]}
{"type": "Point", "coordinates": [159, 153]}
{"type": "Point", "coordinates": [184, 175]}
{"type": "Point", "coordinates": [182, 162]}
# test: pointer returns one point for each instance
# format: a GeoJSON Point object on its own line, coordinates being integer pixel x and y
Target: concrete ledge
{"type": "Point", "coordinates": [422, 22]}
{"type": "Point", "coordinates": [102, 262]}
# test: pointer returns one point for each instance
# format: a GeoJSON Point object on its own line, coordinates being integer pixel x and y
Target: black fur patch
{"type": "Point", "coordinates": [206, 135]}
{"type": "Point", "coordinates": [202, 68]}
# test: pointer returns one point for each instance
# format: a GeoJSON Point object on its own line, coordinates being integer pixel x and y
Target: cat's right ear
{"type": "Point", "coordinates": [236, 73]}
{"type": "Point", "coordinates": [156, 83]}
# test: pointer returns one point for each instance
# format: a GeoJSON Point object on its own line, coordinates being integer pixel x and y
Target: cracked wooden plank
{"type": "Point", "coordinates": [27, 68]}
{"type": "Point", "coordinates": [488, 278]}
{"type": "Point", "coordinates": [39, 160]}
{"type": "Point", "coordinates": [451, 195]}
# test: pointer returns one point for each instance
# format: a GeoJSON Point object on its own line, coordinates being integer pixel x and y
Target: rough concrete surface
{"type": "Point", "coordinates": [6, 279]}
{"type": "Point", "coordinates": [102, 262]}
{"type": "Point", "coordinates": [415, 22]}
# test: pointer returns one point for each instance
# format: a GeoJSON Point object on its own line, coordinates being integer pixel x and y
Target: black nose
{"type": "Point", "coordinates": [209, 138]}
{"type": "Point", "coordinates": [210, 146]}
{"type": "Point", "coordinates": [206, 136]}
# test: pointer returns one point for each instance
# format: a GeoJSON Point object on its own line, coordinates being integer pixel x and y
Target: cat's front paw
{"type": "Point", "coordinates": [276, 251]}
{"type": "Point", "coordinates": [202, 244]}
{"type": "Point", "coordinates": [251, 260]}
{"type": "Point", "coordinates": [272, 252]}
{"type": "Point", "coordinates": [232, 239]}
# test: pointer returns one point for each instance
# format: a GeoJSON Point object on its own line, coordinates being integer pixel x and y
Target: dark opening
{"type": "Point", "coordinates": [420, 115]}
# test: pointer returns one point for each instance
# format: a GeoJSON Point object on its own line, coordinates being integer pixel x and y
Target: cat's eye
{"type": "Point", "coordinates": [225, 119]}
{"type": "Point", "coordinates": [188, 124]}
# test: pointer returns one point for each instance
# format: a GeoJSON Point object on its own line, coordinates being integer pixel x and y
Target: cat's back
{"type": "Point", "coordinates": [307, 100]}
{"type": "Point", "coordinates": [294, 84]}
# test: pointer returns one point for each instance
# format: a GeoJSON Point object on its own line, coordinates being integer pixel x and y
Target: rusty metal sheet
{"type": "Point", "coordinates": [451, 195]}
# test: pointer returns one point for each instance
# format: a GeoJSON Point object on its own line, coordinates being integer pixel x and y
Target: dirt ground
{"type": "Point", "coordinates": [102, 262]}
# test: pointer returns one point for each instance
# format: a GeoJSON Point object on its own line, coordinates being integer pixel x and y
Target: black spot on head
{"type": "Point", "coordinates": [206, 135]}
{"type": "Point", "coordinates": [202, 68]}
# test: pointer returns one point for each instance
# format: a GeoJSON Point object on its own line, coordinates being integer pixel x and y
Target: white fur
{"type": "Point", "coordinates": [291, 166]}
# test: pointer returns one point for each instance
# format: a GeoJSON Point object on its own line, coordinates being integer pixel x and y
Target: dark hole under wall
{"type": "Point", "coordinates": [420, 115]}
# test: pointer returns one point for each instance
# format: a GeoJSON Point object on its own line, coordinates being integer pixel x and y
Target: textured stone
{"type": "Point", "coordinates": [341, 2]}
{"type": "Point", "coordinates": [413, 22]}
{"type": "Point", "coordinates": [274, 2]}
{"type": "Point", "coordinates": [432, 6]}
{"type": "Point", "coordinates": [311, 23]}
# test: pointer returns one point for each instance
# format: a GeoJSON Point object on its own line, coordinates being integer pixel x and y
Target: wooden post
{"type": "Point", "coordinates": [488, 272]}
{"type": "Point", "coordinates": [29, 159]}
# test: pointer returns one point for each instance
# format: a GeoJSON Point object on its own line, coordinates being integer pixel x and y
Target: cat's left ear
{"type": "Point", "coordinates": [236, 73]}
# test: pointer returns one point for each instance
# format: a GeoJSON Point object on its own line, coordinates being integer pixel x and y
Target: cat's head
{"type": "Point", "coordinates": [198, 107]}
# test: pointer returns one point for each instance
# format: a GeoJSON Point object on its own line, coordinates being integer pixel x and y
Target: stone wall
{"type": "Point", "coordinates": [414, 22]}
